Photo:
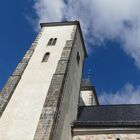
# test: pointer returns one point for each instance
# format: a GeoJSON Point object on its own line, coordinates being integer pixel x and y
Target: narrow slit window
{"type": "Point", "coordinates": [54, 41]}
{"type": "Point", "coordinates": [46, 57]}
{"type": "Point", "coordinates": [78, 58]}
{"type": "Point", "coordinates": [50, 42]}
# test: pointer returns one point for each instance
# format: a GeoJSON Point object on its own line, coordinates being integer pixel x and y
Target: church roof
{"type": "Point", "coordinates": [108, 115]}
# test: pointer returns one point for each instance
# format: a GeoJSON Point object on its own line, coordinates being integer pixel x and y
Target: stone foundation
{"type": "Point", "coordinates": [108, 137]}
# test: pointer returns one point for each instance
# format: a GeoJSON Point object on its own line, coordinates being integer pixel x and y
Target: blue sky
{"type": "Point", "coordinates": [111, 31]}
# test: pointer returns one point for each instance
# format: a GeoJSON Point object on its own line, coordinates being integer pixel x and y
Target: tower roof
{"type": "Point", "coordinates": [86, 83]}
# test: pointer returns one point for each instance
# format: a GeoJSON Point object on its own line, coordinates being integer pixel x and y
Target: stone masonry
{"type": "Point", "coordinates": [108, 137]}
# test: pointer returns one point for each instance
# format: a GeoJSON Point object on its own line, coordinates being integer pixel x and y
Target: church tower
{"type": "Point", "coordinates": [40, 99]}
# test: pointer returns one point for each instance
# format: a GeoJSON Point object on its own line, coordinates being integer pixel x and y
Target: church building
{"type": "Point", "coordinates": [46, 98]}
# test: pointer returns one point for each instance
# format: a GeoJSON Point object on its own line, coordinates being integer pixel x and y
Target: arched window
{"type": "Point", "coordinates": [50, 42]}
{"type": "Point", "coordinates": [46, 56]}
{"type": "Point", "coordinates": [54, 41]}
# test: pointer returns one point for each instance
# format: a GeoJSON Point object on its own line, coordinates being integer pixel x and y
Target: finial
{"type": "Point", "coordinates": [89, 74]}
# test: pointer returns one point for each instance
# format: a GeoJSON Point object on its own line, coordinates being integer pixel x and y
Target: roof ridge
{"type": "Point", "coordinates": [112, 105]}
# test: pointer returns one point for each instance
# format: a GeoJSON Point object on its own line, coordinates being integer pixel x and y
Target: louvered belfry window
{"type": "Point", "coordinates": [52, 42]}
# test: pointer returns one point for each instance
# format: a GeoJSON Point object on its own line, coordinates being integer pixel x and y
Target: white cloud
{"type": "Point", "coordinates": [49, 10]}
{"type": "Point", "coordinates": [126, 95]}
{"type": "Point", "coordinates": [100, 20]}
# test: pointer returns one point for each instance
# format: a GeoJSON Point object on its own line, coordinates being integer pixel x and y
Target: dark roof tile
{"type": "Point", "coordinates": [109, 115]}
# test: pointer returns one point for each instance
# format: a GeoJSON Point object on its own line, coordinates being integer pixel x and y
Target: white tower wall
{"type": "Point", "coordinates": [20, 118]}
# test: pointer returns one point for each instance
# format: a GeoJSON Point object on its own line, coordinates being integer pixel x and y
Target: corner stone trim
{"type": "Point", "coordinates": [10, 86]}
{"type": "Point", "coordinates": [7, 92]}
{"type": "Point", "coordinates": [50, 111]}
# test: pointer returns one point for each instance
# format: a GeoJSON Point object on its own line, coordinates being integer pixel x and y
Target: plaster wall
{"type": "Point", "coordinates": [87, 98]}
{"type": "Point", "coordinates": [21, 116]}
